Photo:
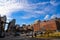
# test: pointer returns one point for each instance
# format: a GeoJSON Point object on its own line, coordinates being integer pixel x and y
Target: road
{"type": "Point", "coordinates": [19, 38]}
{"type": "Point", "coordinates": [23, 38]}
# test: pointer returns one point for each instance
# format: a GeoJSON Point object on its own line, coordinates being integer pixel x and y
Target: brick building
{"type": "Point", "coordinates": [58, 23]}
{"type": "Point", "coordinates": [52, 25]}
{"type": "Point", "coordinates": [36, 25]}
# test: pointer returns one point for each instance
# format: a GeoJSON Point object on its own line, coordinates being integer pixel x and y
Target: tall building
{"type": "Point", "coordinates": [2, 22]}
{"type": "Point", "coordinates": [2, 26]}
{"type": "Point", "coordinates": [11, 25]}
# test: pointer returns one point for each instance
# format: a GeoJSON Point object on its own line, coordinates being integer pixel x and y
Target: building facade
{"type": "Point", "coordinates": [46, 25]}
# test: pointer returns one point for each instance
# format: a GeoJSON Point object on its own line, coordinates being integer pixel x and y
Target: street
{"type": "Point", "coordinates": [24, 38]}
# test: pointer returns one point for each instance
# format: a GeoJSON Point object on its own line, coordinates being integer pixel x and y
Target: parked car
{"type": "Point", "coordinates": [29, 34]}
{"type": "Point", "coordinates": [17, 34]}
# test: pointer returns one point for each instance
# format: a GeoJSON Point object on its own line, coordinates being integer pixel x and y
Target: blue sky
{"type": "Point", "coordinates": [27, 11]}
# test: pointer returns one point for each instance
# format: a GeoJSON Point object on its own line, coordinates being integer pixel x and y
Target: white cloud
{"type": "Point", "coordinates": [40, 12]}
{"type": "Point", "coordinates": [53, 16]}
{"type": "Point", "coordinates": [8, 6]}
{"type": "Point", "coordinates": [44, 8]}
{"type": "Point", "coordinates": [54, 3]}
{"type": "Point", "coordinates": [28, 16]}
{"type": "Point", "coordinates": [46, 17]}
{"type": "Point", "coordinates": [58, 15]}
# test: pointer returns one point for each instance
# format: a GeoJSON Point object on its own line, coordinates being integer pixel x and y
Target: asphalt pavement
{"type": "Point", "coordinates": [23, 38]}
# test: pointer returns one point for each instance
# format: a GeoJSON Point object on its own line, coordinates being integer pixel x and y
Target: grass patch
{"type": "Point", "coordinates": [50, 35]}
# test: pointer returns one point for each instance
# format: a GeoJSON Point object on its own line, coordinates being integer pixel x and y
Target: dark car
{"type": "Point", "coordinates": [17, 34]}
